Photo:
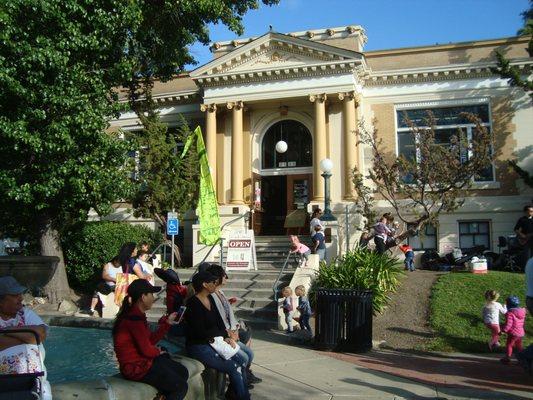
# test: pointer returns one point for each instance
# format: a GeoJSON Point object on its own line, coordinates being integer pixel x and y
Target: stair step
{"type": "Point", "coordinates": [251, 302]}
{"type": "Point", "coordinates": [242, 293]}
{"type": "Point", "coordinates": [254, 284]}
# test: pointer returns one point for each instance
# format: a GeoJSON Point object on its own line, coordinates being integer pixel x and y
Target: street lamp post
{"type": "Point", "coordinates": [326, 165]}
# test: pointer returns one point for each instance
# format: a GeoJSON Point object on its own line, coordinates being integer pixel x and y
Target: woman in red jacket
{"type": "Point", "coordinates": [138, 357]}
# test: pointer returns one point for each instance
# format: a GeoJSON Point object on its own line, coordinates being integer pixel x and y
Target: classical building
{"type": "Point", "coordinates": [310, 90]}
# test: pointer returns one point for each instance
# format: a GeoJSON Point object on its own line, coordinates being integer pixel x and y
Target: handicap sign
{"type": "Point", "coordinates": [173, 224]}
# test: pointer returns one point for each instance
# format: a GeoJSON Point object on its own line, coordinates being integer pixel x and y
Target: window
{"type": "Point", "coordinates": [474, 233]}
{"type": "Point", "coordinates": [299, 146]}
{"type": "Point", "coordinates": [424, 240]}
{"type": "Point", "coordinates": [448, 120]}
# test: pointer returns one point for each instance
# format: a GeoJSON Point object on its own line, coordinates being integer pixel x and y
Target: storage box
{"type": "Point", "coordinates": [478, 266]}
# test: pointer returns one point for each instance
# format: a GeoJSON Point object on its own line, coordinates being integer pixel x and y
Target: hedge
{"type": "Point", "coordinates": [89, 247]}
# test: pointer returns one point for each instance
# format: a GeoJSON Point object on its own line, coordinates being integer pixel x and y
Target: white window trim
{"type": "Point", "coordinates": [492, 184]}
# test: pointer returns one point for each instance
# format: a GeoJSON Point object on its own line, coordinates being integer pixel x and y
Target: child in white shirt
{"type": "Point", "coordinates": [491, 317]}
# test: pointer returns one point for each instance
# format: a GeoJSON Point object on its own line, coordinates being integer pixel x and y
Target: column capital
{"type": "Point", "coordinates": [320, 98]}
{"type": "Point", "coordinates": [238, 105]}
{"type": "Point", "coordinates": [350, 96]}
{"type": "Point", "coordinates": [208, 107]}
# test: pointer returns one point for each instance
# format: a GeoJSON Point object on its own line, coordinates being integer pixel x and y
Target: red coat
{"type": "Point", "coordinates": [135, 344]}
{"type": "Point", "coordinates": [174, 292]}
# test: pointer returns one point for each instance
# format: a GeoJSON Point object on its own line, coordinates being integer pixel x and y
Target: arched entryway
{"type": "Point", "coordinates": [285, 179]}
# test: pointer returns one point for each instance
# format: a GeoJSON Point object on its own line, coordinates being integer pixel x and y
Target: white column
{"type": "Point", "coordinates": [237, 192]}
{"type": "Point", "coordinates": [349, 123]}
{"type": "Point", "coordinates": [319, 144]}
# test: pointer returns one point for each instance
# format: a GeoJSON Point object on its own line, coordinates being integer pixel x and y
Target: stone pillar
{"type": "Point", "coordinates": [319, 144]}
{"type": "Point", "coordinates": [211, 139]}
{"type": "Point", "coordinates": [236, 153]}
{"type": "Point", "coordinates": [349, 125]}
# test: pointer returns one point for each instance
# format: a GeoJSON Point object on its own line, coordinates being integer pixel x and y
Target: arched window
{"type": "Point", "coordinates": [299, 146]}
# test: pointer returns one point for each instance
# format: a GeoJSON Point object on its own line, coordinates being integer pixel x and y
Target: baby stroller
{"type": "Point", "coordinates": [22, 386]}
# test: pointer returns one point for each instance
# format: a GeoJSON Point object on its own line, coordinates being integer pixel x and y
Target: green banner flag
{"type": "Point", "coordinates": [207, 200]}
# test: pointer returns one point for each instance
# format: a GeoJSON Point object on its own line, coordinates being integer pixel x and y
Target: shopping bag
{"type": "Point", "coordinates": [121, 288]}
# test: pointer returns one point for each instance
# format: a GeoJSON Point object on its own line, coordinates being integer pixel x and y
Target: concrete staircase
{"type": "Point", "coordinates": [253, 289]}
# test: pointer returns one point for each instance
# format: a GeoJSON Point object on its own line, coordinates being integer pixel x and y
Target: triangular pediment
{"type": "Point", "coordinates": [275, 51]}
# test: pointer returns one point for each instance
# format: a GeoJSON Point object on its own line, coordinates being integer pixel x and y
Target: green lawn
{"type": "Point", "coordinates": [456, 304]}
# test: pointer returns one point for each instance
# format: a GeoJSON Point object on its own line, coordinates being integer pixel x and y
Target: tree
{"type": "Point", "coordinates": [508, 71]}
{"type": "Point", "coordinates": [60, 64]}
{"type": "Point", "coordinates": [431, 182]}
{"type": "Point", "coordinates": [166, 181]}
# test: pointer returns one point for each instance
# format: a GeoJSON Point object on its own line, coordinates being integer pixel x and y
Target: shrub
{"type": "Point", "coordinates": [362, 269]}
{"type": "Point", "coordinates": [93, 244]}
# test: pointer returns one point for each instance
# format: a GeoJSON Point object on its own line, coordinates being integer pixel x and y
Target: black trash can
{"type": "Point", "coordinates": [343, 320]}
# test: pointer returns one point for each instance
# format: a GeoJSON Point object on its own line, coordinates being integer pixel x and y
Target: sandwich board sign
{"type": "Point", "coordinates": [241, 251]}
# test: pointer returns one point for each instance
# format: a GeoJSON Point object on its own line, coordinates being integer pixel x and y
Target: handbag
{"type": "Point", "coordinates": [224, 349]}
{"type": "Point", "coordinates": [123, 280]}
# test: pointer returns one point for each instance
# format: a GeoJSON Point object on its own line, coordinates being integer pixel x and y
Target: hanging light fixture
{"type": "Point", "coordinates": [281, 145]}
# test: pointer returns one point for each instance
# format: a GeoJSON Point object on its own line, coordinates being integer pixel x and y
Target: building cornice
{"type": "Point", "coordinates": [448, 46]}
{"type": "Point", "coordinates": [280, 73]}
{"type": "Point", "coordinates": [449, 72]}
{"type": "Point", "coordinates": [313, 35]}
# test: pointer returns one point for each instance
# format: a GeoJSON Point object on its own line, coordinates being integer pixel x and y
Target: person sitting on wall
{"type": "Point", "coordinates": [243, 337]}
{"type": "Point", "coordinates": [135, 346]}
{"type": "Point", "coordinates": [142, 268]}
{"type": "Point", "coordinates": [106, 285]}
{"type": "Point", "coordinates": [20, 353]}
{"type": "Point", "coordinates": [205, 329]}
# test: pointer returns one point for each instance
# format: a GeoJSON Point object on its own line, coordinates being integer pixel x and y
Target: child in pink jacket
{"type": "Point", "coordinates": [514, 327]}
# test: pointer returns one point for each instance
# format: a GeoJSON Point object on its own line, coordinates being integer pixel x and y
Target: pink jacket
{"type": "Point", "coordinates": [514, 322]}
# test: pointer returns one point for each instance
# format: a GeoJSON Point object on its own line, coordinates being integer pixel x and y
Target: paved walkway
{"type": "Point", "coordinates": [295, 372]}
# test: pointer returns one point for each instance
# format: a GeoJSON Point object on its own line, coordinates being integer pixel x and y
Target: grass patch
{"type": "Point", "coordinates": [456, 304]}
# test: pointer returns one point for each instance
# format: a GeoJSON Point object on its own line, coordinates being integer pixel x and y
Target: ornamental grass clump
{"type": "Point", "coordinates": [364, 270]}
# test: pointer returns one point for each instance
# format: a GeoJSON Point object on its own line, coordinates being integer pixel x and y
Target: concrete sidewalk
{"type": "Point", "coordinates": [296, 372]}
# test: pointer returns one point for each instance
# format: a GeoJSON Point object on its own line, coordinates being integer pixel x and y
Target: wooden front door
{"type": "Point", "coordinates": [299, 191]}
{"type": "Point", "coordinates": [280, 204]}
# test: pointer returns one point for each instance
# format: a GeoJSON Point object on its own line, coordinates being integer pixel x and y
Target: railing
{"type": "Point", "coordinates": [220, 242]}
{"type": "Point", "coordinates": [276, 284]}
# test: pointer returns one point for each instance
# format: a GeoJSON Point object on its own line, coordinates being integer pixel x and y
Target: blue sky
{"type": "Point", "coordinates": [388, 23]}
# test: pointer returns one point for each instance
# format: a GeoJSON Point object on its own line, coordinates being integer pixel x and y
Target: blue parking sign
{"type": "Point", "coordinates": [173, 225]}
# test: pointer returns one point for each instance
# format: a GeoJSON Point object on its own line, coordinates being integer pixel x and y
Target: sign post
{"type": "Point", "coordinates": [172, 229]}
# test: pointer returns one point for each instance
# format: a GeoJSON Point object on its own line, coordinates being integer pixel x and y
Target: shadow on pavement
{"type": "Point", "coordinates": [462, 371]}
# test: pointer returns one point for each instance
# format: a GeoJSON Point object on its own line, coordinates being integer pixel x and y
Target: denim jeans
{"type": "Point", "coordinates": [304, 322]}
{"type": "Point", "coordinates": [235, 367]}
{"type": "Point", "coordinates": [288, 320]}
{"type": "Point", "coordinates": [246, 353]}
{"type": "Point", "coordinates": [409, 261]}
{"type": "Point", "coordinates": [321, 254]}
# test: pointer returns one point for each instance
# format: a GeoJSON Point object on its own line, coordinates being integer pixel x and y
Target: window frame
{"type": "Point", "coordinates": [421, 236]}
{"type": "Point", "coordinates": [470, 221]}
{"type": "Point", "coordinates": [469, 127]}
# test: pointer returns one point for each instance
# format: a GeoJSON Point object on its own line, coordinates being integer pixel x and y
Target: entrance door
{"type": "Point", "coordinates": [299, 189]}
{"type": "Point", "coordinates": [284, 200]}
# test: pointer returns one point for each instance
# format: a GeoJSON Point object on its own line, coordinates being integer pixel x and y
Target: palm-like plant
{"type": "Point", "coordinates": [365, 270]}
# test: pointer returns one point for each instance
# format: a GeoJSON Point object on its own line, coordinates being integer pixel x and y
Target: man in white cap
{"type": "Point", "coordinates": [20, 352]}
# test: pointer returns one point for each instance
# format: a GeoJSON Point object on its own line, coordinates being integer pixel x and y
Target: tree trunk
{"type": "Point", "coordinates": [57, 289]}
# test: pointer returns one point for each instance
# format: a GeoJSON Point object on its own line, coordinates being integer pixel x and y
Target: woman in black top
{"type": "Point", "coordinates": [203, 325]}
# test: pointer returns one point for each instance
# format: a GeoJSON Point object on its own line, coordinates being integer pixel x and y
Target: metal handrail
{"type": "Point", "coordinates": [221, 240]}
{"type": "Point", "coordinates": [276, 284]}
